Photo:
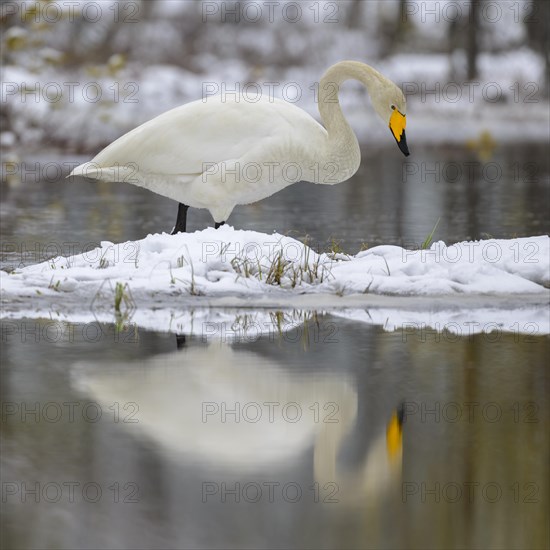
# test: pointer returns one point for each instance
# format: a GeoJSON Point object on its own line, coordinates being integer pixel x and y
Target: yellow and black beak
{"type": "Point", "coordinates": [397, 126]}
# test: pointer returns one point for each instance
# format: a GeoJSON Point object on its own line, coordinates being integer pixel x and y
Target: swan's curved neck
{"type": "Point", "coordinates": [342, 142]}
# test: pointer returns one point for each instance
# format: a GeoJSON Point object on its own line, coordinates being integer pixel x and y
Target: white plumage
{"type": "Point", "coordinates": [223, 151]}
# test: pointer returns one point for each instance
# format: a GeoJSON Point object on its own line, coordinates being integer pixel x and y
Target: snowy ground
{"type": "Point", "coordinates": [504, 282]}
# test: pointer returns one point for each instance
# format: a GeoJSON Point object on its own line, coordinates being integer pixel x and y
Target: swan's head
{"type": "Point", "coordinates": [387, 98]}
{"type": "Point", "coordinates": [390, 104]}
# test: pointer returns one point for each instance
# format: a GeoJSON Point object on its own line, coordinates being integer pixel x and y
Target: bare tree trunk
{"type": "Point", "coordinates": [538, 31]}
{"type": "Point", "coordinates": [452, 44]}
{"type": "Point", "coordinates": [472, 45]}
{"type": "Point", "coordinates": [354, 14]}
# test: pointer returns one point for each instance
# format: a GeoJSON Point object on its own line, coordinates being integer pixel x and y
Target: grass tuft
{"type": "Point", "coordinates": [428, 240]}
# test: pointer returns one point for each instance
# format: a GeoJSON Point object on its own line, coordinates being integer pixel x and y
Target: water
{"type": "Point", "coordinates": [169, 465]}
{"type": "Point", "coordinates": [134, 443]}
{"type": "Point", "coordinates": [391, 200]}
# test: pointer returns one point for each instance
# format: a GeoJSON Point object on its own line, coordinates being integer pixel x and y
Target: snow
{"type": "Point", "coordinates": [237, 268]}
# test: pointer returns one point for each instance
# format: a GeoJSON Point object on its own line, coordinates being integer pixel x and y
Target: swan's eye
{"type": "Point", "coordinates": [392, 107]}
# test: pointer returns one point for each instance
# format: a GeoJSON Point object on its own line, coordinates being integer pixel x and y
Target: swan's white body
{"type": "Point", "coordinates": [223, 151]}
{"type": "Point", "coordinates": [215, 154]}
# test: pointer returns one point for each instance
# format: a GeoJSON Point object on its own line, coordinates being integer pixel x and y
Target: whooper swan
{"type": "Point", "coordinates": [223, 151]}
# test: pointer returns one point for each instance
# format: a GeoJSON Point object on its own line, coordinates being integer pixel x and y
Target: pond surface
{"type": "Point", "coordinates": [324, 432]}
{"type": "Point", "coordinates": [289, 440]}
{"type": "Point", "coordinates": [391, 200]}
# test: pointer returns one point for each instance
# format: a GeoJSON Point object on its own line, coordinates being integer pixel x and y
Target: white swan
{"type": "Point", "coordinates": [223, 151]}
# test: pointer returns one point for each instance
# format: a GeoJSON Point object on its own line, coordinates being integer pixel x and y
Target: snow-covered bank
{"type": "Point", "coordinates": [237, 268]}
{"type": "Point", "coordinates": [226, 262]}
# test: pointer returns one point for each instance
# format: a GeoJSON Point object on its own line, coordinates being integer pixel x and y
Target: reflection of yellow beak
{"type": "Point", "coordinates": [394, 436]}
{"type": "Point", "coordinates": [397, 126]}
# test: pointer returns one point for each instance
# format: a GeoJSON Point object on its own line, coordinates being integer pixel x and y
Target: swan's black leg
{"type": "Point", "coordinates": [181, 222]}
{"type": "Point", "coordinates": [219, 224]}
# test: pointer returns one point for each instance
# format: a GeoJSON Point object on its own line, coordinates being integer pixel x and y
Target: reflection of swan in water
{"type": "Point", "coordinates": [380, 468]}
{"type": "Point", "coordinates": [182, 397]}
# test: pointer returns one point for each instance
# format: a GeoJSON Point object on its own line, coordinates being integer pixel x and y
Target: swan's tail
{"type": "Point", "coordinates": [119, 173]}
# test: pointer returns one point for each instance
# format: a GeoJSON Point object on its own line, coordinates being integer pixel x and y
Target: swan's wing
{"type": "Point", "coordinates": [182, 140]}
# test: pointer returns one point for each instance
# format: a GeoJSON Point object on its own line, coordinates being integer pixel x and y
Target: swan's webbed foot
{"type": "Point", "coordinates": [181, 222]}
